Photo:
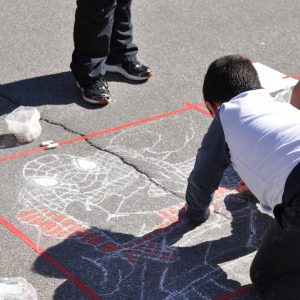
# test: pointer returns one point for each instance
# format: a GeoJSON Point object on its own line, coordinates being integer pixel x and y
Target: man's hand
{"type": "Point", "coordinates": [242, 188]}
{"type": "Point", "coordinates": [211, 209]}
{"type": "Point", "coordinates": [182, 214]}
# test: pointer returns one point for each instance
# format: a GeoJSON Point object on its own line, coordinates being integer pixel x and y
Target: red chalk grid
{"type": "Point", "coordinates": [54, 224]}
{"type": "Point", "coordinates": [110, 130]}
{"type": "Point", "coordinates": [50, 259]}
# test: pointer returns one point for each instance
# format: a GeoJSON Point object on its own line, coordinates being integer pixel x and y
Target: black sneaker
{"type": "Point", "coordinates": [133, 70]}
{"type": "Point", "coordinates": [95, 92]}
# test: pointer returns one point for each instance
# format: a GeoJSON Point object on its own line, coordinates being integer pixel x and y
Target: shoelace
{"type": "Point", "coordinates": [99, 83]}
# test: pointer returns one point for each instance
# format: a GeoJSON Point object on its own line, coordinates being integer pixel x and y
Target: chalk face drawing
{"type": "Point", "coordinates": [122, 204]}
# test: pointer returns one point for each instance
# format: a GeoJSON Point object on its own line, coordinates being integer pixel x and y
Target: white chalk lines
{"type": "Point", "coordinates": [60, 190]}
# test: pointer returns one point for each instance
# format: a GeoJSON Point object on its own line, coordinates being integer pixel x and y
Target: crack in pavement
{"type": "Point", "coordinates": [136, 169]}
{"type": "Point", "coordinates": [115, 154]}
{"type": "Point", "coordinates": [98, 148]}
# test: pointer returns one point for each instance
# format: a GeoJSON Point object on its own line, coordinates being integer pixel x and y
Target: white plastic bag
{"type": "Point", "coordinates": [24, 123]}
{"type": "Point", "coordinates": [16, 288]}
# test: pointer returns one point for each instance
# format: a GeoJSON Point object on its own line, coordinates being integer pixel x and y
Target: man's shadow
{"type": "Point", "coordinates": [8, 141]}
{"type": "Point", "coordinates": [55, 89]}
{"type": "Point", "coordinates": [158, 265]}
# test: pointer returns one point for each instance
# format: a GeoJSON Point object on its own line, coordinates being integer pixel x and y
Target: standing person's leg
{"type": "Point", "coordinates": [92, 35]}
{"type": "Point", "coordinates": [277, 264]}
{"type": "Point", "coordinates": [122, 46]}
{"type": "Point", "coordinates": [123, 52]}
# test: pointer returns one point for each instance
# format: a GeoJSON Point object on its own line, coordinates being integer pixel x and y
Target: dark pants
{"type": "Point", "coordinates": [275, 270]}
{"type": "Point", "coordinates": [102, 31]}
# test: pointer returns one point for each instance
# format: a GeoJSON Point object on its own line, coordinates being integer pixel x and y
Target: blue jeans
{"type": "Point", "coordinates": [275, 270]}
{"type": "Point", "coordinates": [102, 31]}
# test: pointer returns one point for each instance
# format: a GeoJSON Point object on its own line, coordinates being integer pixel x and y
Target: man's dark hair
{"type": "Point", "coordinates": [229, 76]}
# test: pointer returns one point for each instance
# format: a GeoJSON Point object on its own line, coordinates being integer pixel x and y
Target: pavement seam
{"type": "Point", "coordinates": [136, 169]}
{"type": "Point", "coordinates": [115, 154]}
{"type": "Point", "coordinates": [98, 148]}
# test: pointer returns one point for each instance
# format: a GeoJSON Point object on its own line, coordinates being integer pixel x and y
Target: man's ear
{"type": "Point", "coordinates": [212, 108]}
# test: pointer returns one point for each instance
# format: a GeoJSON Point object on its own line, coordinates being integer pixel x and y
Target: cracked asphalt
{"type": "Point", "coordinates": [97, 218]}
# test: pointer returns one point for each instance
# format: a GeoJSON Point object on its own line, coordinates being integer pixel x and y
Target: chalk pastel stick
{"type": "Point", "coordinates": [52, 146]}
{"type": "Point", "coordinates": [46, 143]}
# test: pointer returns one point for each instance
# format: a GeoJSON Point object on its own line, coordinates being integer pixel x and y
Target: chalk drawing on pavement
{"type": "Point", "coordinates": [113, 192]}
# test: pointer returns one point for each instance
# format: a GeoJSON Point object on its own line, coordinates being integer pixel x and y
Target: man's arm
{"type": "Point", "coordinates": [211, 161]}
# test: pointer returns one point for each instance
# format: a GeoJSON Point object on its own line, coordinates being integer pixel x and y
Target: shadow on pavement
{"type": "Point", "coordinates": [8, 141]}
{"type": "Point", "coordinates": [121, 266]}
{"type": "Point", "coordinates": [54, 89]}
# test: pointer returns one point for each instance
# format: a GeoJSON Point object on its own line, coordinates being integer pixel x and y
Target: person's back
{"type": "Point", "coordinates": [264, 142]}
{"type": "Point", "coordinates": [261, 138]}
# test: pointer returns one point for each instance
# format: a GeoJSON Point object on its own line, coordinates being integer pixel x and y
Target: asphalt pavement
{"type": "Point", "coordinates": [97, 217]}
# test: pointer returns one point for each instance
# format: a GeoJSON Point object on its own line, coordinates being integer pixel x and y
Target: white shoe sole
{"type": "Point", "coordinates": [102, 101]}
{"type": "Point", "coordinates": [117, 69]}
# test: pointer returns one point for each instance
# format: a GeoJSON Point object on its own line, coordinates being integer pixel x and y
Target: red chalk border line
{"type": "Point", "coordinates": [49, 258]}
{"type": "Point", "coordinates": [240, 291]}
{"type": "Point", "coordinates": [23, 237]}
{"type": "Point", "coordinates": [113, 129]}
{"type": "Point", "coordinates": [69, 275]}
{"type": "Point", "coordinates": [190, 106]}
{"type": "Point", "coordinates": [54, 262]}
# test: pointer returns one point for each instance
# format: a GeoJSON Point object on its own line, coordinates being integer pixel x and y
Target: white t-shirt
{"type": "Point", "coordinates": [263, 137]}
